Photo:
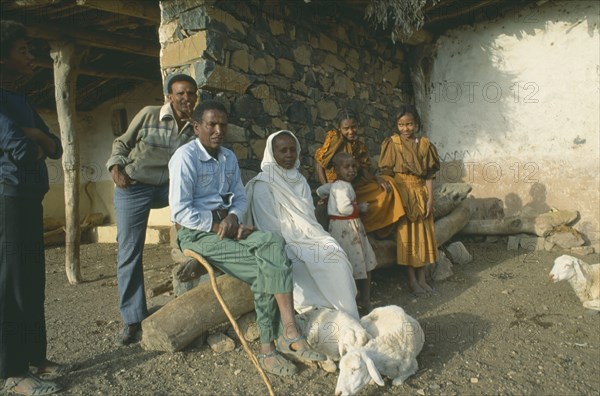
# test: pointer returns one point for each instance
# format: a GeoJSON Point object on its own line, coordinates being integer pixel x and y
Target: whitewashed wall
{"type": "Point", "coordinates": [515, 102]}
{"type": "Point", "coordinates": [96, 137]}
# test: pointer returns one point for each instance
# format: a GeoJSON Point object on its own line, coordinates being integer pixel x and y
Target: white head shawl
{"type": "Point", "coordinates": [293, 198]}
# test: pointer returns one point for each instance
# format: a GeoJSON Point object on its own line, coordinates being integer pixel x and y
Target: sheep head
{"type": "Point", "coordinates": [356, 371]}
{"type": "Point", "coordinates": [351, 339]}
{"type": "Point", "coordinates": [565, 267]}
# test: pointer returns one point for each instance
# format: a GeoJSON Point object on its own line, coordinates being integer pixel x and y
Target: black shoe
{"type": "Point", "coordinates": [130, 334]}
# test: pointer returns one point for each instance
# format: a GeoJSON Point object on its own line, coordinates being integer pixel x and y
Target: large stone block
{"type": "Point", "coordinates": [166, 32]}
{"type": "Point", "coordinates": [286, 67]}
{"type": "Point", "coordinates": [279, 82]}
{"type": "Point", "coordinates": [171, 9]}
{"type": "Point", "coordinates": [235, 134]}
{"type": "Point", "coordinates": [343, 85]}
{"type": "Point", "coordinates": [241, 59]}
{"type": "Point", "coordinates": [327, 109]}
{"type": "Point", "coordinates": [213, 77]}
{"type": "Point", "coordinates": [300, 87]}
{"type": "Point", "coordinates": [302, 55]}
{"type": "Point", "coordinates": [263, 65]}
{"type": "Point", "coordinates": [334, 61]}
{"type": "Point", "coordinates": [271, 107]}
{"type": "Point", "coordinates": [277, 27]}
{"type": "Point", "coordinates": [183, 52]}
{"type": "Point", "coordinates": [193, 19]}
{"type": "Point", "coordinates": [247, 106]}
{"type": "Point", "coordinates": [218, 15]}
{"type": "Point", "coordinates": [327, 44]}
{"type": "Point", "coordinates": [298, 113]}
{"type": "Point", "coordinates": [325, 82]}
{"type": "Point", "coordinates": [261, 91]}
{"type": "Point", "coordinates": [258, 147]}
{"type": "Point", "coordinates": [393, 76]}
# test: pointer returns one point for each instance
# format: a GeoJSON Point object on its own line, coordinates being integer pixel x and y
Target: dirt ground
{"type": "Point", "coordinates": [497, 326]}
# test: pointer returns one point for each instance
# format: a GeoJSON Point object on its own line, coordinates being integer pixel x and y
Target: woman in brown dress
{"type": "Point", "coordinates": [413, 161]}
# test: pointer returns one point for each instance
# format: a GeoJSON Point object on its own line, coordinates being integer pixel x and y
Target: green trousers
{"type": "Point", "coordinates": [259, 260]}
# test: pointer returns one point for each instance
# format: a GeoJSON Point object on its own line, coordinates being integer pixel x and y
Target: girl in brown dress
{"type": "Point", "coordinates": [413, 161]}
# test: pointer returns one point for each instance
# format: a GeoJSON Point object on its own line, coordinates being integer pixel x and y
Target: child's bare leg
{"type": "Point", "coordinates": [422, 280]}
{"type": "Point", "coordinates": [364, 290]}
{"type": "Point", "coordinates": [415, 287]}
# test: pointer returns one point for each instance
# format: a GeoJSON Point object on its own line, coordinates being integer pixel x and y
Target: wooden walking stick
{"type": "Point", "coordinates": [213, 283]}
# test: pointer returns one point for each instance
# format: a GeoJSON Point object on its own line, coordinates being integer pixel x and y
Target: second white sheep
{"type": "Point", "coordinates": [393, 352]}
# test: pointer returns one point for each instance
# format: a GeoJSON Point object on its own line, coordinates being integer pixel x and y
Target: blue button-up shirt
{"type": "Point", "coordinates": [22, 173]}
{"type": "Point", "coordinates": [200, 184]}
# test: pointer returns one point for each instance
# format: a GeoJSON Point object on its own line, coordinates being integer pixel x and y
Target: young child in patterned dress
{"type": "Point", "coordinates": [347, 228]}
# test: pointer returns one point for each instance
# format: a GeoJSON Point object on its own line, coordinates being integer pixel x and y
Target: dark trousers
{"type": "Point", "coordinates": [132, 206]}
{"type": "Point", "coordinates": [22, 285]}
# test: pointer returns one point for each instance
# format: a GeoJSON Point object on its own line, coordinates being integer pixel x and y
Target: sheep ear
{"type": "Point", "coordinates": [342, 348]}
{"type": "Point", "coordinates": [347, 340]}
{"type": "Point", "coordinates": [577, 266]}
{"type": "Point", "coordinates": [373, 372]}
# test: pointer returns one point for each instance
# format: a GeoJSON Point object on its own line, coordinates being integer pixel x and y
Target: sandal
{"type": "Point", "coordinates": [284, 345]}
{"type": "Point", "coordinates": [190, 270]}
{"type": "Point", "coordinates": [53, 370]}
{"type": "Point", "coordinates": [38, 388]}
{"type": "Point", "coordinates": [279, 366]}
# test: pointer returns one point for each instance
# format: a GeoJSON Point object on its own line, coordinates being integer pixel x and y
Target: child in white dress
{"type": "Point", "coordinates": [346, 227]}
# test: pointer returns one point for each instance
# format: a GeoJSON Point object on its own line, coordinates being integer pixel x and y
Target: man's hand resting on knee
{"type": "Point", "coordinates": [227, 228]}
{"type": "Point", "coordinates": [243, 232]}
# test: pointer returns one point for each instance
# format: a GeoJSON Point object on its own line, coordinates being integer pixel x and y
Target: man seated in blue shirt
{"type": "Point", "coordinates": [207, 200]}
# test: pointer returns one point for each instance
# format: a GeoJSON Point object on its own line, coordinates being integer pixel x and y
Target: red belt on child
{"type": "Point", "coordinates": [354, 214]}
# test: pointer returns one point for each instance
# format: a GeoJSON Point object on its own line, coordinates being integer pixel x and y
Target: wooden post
{"type": "Point", "coordinates": [66, 61]}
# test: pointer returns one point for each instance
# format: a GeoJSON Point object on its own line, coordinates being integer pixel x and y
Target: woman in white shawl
{"type": "Point", "coordinates": [280, 201]}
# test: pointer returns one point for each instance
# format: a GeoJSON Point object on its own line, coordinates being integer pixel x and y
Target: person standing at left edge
{"type": "Point", "coordinates": [25, 142]}
{"type": "Point", "coordinates": [139, 167]}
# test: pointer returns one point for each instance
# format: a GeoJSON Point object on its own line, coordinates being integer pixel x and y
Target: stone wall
{"type": "Point", "coordinates": [285, 67]}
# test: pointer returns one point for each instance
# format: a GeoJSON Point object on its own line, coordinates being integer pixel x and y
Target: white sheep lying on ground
{"type": "Point", "coordinates": [393, 352]}
{"type": "Point", "coordinates": [332, 333]}
{"type": "Point", "coordinates": [584, 279]}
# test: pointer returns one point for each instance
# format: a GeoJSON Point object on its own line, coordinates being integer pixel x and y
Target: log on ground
{"type": "Point", "coordinates": [182, 320]}
{"type": "Point", "coordinates": [540, 225]}
{"type": "Point", "coordinates": [445, 228]}
{"type": "Point", "coordinates": [448, 196]}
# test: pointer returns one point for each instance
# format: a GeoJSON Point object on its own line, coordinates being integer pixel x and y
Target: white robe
{"type": "Point", "coordinates": [280, 201]}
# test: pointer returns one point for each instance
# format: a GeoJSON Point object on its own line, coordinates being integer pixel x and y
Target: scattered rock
{"type": "Point", "coordinates": [328, 366]}
{"type": "Point", "coordinates": [532, 244]}
{"type": "Point", "coordinates": [248, 328]}
{"type": "Point", "coordinates": [220, 343]}
{"type": "Point", "coordinates": [177, 256]}
{"type": "Point", "coordinates": [548, 245]}
{"type": "Point", "coordinates": [458, 253]}
{"type": "Point", "coordinates": [442, 268]}
{"type": "Point", "coordinates": [582, 250]}
{"type": "Point", "coordinates": [474, 380]}
{"type": "Point", "coordinates": [513, 243]}
{"type": "Point", "coordinates": [566, 240]}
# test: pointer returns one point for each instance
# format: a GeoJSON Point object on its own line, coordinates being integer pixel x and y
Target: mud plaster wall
{"type": "Point", "coordinates": [512, 105]}
{"type": "Point", "coordinates": [95, 135]}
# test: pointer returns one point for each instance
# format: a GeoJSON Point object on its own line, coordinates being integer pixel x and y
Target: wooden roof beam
{"type": "Point", "coordinates": [135, 8]}
{"type": "Point", "coordinates": [90, 71]}
{"type": "Point", "coordinates": [95, 39]}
